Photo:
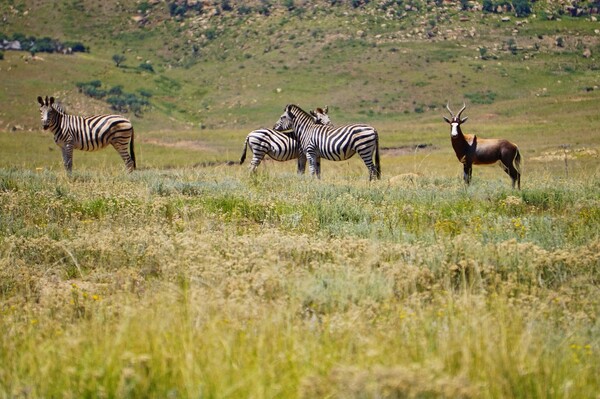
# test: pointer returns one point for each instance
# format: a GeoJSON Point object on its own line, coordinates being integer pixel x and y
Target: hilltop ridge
{"type": "Point", "coordinates": [212, 64]}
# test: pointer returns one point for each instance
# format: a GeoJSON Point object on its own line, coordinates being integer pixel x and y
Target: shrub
{"type": "Point", "coordinates": [244, 10]}
{"type": "Point", "coordinates": [145, 93]}
{"type": "Point", "coordinates": [211, 33]}
{"type": "Point", "coordinates": [487, 97]}
{"type": "Point", "coordinates": [144, 66]}
{"type": "Point", "coordinates": [76, 47]}
{"type": "Point", "coordinates": [116, 90]}
{"type": "Point", "coordinates": [118, 99]}
{"type": "Point", "coordinates": [118, 59]}
{"type": "Point", "coordinates": [91, 89]}
{"type": "Point", "coordinates": [226, 5]}
{"type": "Point", "coordinates": [289, 4]}
{"type": "Point", "coordinates": [522, 8]}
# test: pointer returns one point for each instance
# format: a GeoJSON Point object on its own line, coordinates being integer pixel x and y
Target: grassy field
{"type": "Point", "coordinates": [208, 282]}
{"type": "Point", "coordinates": [191, 278]}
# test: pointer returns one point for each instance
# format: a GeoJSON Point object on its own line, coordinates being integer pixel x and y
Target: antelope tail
{"type": "Point", "coordinates": [517, 161]}
{"type": "Point", "coordinates": [243, 158]}
{"type": "Point", "coordinates": [517, 166]}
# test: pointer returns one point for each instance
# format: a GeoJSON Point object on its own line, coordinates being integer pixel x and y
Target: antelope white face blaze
{"type": "Point", "coordinates": [454, 131]}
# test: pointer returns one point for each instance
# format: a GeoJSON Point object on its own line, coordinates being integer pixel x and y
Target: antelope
{"type": "Point", "coordinates": [471, 150]}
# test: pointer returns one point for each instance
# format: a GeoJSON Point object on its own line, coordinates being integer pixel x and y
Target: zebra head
{"type": "Point", "coordinates": [48, 111]}
{"type": "Point", "coordinates": [321, 116]}
{"type": "Point", "coordinates": [285, 120]}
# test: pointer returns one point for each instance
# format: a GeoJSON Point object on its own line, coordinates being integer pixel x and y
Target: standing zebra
{"type": "Point", "coordinates": [87, 133]}
{"type": "Point", "coordinates": [335, 144]}
{"type": "Point", "coordinates": [278, 145]}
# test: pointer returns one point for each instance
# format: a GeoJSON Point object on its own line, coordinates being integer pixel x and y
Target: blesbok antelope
{"type": "Point", "coordinates": [471, 150]}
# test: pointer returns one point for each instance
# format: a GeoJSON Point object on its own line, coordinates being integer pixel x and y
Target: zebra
{"type": "Point", "coordinates": [87, 133]}
{"type": "Point", "coordinates": [279, 145]}
{"type": "Point", "coordinates": [332, 143]}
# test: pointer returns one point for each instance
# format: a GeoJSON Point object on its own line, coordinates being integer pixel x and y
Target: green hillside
{"type": "Point", "coordinates": [192, 278]}
{"type": "Point", "coordinates": [228, 65]}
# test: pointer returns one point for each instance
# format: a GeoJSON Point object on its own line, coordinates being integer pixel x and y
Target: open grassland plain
{"type": "Point", "coordinates": [205, 281]}
{"type": "Point", "coordinates": [191, 278]}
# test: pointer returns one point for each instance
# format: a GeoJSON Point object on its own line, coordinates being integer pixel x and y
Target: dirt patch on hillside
{"type": "Point", "coordinates": [407, 149]}
{"type": "Point", "coordinates": [562, 154]}
{"type": "Point", "coordinates": [194, 145]}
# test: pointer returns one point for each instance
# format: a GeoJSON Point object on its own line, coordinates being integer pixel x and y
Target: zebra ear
{"type": "Point", "coordinates": [40, 100]}
{"type": "Point", "coordinates": [51, 100]}
{"type": "Point", "coordinates": [288, 111]}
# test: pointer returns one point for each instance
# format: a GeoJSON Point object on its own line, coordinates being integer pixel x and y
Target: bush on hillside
{"type": "Point", "coordinates": [180, 8]}
{"type": "Point", "coordinates": [118, 99]}
{"type": "Point", "coordinates": [144, 66]}
{"type": "Point", "coordinates": [91, 89]}
{"type": "Point", "coordinates": [76, 47]}
{"type": "Point", "coordinates": [480, 97]}
{"type": "Point", "coordinates": [522, 8]}
{"type": "Point", "coordinates": [43, 45]}
{"type": "Point", "coordinates": [118, 59]}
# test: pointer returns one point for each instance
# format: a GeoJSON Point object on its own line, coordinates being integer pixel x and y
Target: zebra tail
{"type": "Point", "coordinates": [131, 149]}
{"type": "Point", "coordinates": [377, 163]}
{"type": "Point", "coordinates": [243, 158]}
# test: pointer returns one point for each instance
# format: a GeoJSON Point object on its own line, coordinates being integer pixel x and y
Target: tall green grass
{"type": "Point", "coordinates": [209, 282]}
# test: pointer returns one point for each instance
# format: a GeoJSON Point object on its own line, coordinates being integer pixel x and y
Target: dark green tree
{"type": "Point", "coordinates": [118, 59]}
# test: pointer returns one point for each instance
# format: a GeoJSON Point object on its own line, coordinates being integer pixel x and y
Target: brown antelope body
{"type": "Point", "coordinates": [471, 150]}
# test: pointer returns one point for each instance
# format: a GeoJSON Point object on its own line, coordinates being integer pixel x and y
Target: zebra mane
{"type": "Point", "coordinates": [59, 107]}
{"type": "Point", "coordinates": [296, 111]}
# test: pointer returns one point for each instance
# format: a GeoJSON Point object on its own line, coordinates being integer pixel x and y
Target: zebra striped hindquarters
{"type": "Point", "coordinates": [279, 146]}
{"type": "Point", "coordinates": [335, 144]}
{"type": "Point", "coordinates": [87, 133]}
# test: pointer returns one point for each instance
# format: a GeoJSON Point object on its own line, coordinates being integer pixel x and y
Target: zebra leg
{"type": "Point", "coordinates": [256, 160]}
{"type": "Point", "coordinates": [312, 163]}
{"type": "Point", "coordinates": [258, 154]}
{"type": "Point", "coordinates": [301, 163]}
{"type": "Point", "coordinates": [67, 154]}
{"type": "Point", "coordinates": [318, 167]}
{"type": "Point", "coordinates": [371, 167]}
{"type": "Point", "coordinates": [124, 153]}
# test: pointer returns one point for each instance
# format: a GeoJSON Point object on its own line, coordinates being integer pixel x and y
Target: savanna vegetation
{"type": "Point", "coordinates": [192, 278]}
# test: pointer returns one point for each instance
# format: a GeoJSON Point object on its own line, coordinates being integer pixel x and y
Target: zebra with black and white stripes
{"type": "Point", "coordinates": [87, 133]}
{"type": "Point", "coordinates": [335, 144]}
{"type": "Point", "coordinates": [279, 145]}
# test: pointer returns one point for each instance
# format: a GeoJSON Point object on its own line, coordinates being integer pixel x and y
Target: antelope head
{"type": "Point", "coordinates": [456, 120]}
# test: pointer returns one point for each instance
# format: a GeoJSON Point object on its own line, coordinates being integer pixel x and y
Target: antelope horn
{"type": "Point", "coordinates": [461, 110]}
{"type": "Point", "coordinates": [448, 108]}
